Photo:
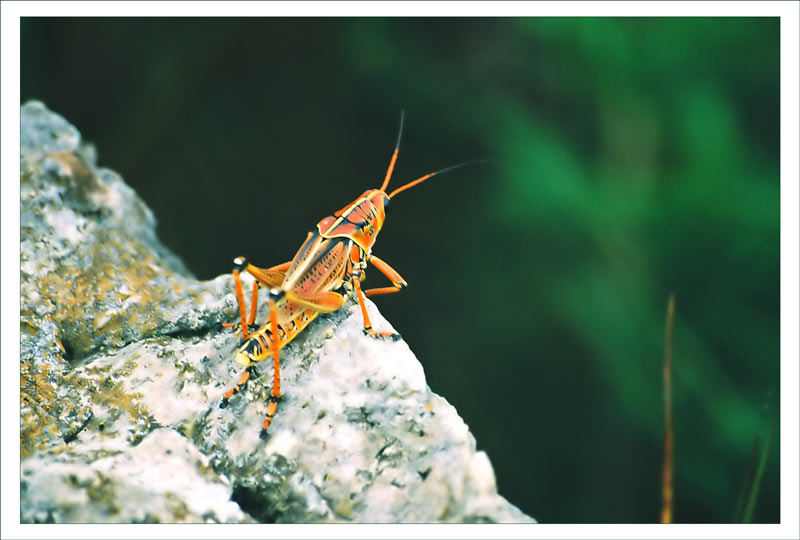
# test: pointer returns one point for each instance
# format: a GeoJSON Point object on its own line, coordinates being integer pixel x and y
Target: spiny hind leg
{"type": "Point", "coordinates": [275, 347]}
{"type": "Point", "coordinates": [368, 330]}
{"type": "Point", "coordinates": [247, 325]}
{"type": "Point", "coordinates": [270, 277]}
{"type": "Point", "coordinates": [248, 372]}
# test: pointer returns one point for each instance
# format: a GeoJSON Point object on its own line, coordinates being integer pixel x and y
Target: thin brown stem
{"type": "Point", "coordinates": [667, 465]}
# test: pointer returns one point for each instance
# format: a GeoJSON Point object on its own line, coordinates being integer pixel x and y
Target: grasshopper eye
{"type": "Point", "coordinates": [386, 202]}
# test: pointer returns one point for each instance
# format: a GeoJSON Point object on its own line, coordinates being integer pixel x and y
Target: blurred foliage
{"type": "Point", "coordinates": [628, 158]}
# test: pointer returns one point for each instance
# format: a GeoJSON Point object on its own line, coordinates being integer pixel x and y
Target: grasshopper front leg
{"type": "Point", "coordinates": [398, 283]}
{"type": "Point", "coordinates": [368, 330]}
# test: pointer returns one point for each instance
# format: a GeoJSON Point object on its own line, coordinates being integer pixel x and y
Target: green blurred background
{"type": "Point", "coordinates": [628, 158]}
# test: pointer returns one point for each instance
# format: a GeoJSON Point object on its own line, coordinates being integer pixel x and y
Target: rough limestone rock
{"type": "Point", "coordinates": [124, 362]}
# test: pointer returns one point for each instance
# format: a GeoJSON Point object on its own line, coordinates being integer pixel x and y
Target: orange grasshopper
{"type": "Point", "coordinates": [327, 268]}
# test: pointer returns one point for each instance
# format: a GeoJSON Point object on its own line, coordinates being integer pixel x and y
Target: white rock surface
{"type": "Point", "coordinates": [121, 422]}
{"type": "Point", "coordinates": [163, 479]}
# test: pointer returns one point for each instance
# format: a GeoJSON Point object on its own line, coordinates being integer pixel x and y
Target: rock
{"type": "Point", "coordinates": [128, 486]}
{"type": "Point", "coordinates": [124, 364]}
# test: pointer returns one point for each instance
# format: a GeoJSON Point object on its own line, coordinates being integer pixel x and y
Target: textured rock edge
{"type": "Point", "coordinates": [155, 385]}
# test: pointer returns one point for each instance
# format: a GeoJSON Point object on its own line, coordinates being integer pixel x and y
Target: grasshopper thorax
{"type": "Point", "coordinates": [360, 221]}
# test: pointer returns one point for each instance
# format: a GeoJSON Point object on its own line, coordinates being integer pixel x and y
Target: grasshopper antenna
{"type": "Point", "coordinates": [394, 155]}
{"type": "Point", "coordinates": [434, 173]}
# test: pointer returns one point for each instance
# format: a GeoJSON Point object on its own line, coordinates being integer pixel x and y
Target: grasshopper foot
{"type": "Point", "coordinates": [382, 335]}
{"type": "Point", "coordinates": [272, 407]}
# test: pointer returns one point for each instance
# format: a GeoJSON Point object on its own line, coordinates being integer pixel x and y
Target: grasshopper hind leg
{"type": "Point", "coordinates": [275, 346]}
{"type": "Point", "coordinates": [248, 372]}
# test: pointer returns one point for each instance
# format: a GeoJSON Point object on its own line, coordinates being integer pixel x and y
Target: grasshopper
{"type": "Point", "coordinates": [327, 269]}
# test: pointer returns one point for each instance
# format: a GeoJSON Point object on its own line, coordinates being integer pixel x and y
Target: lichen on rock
{"type": "Point", "coordinates": [123, 365]}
